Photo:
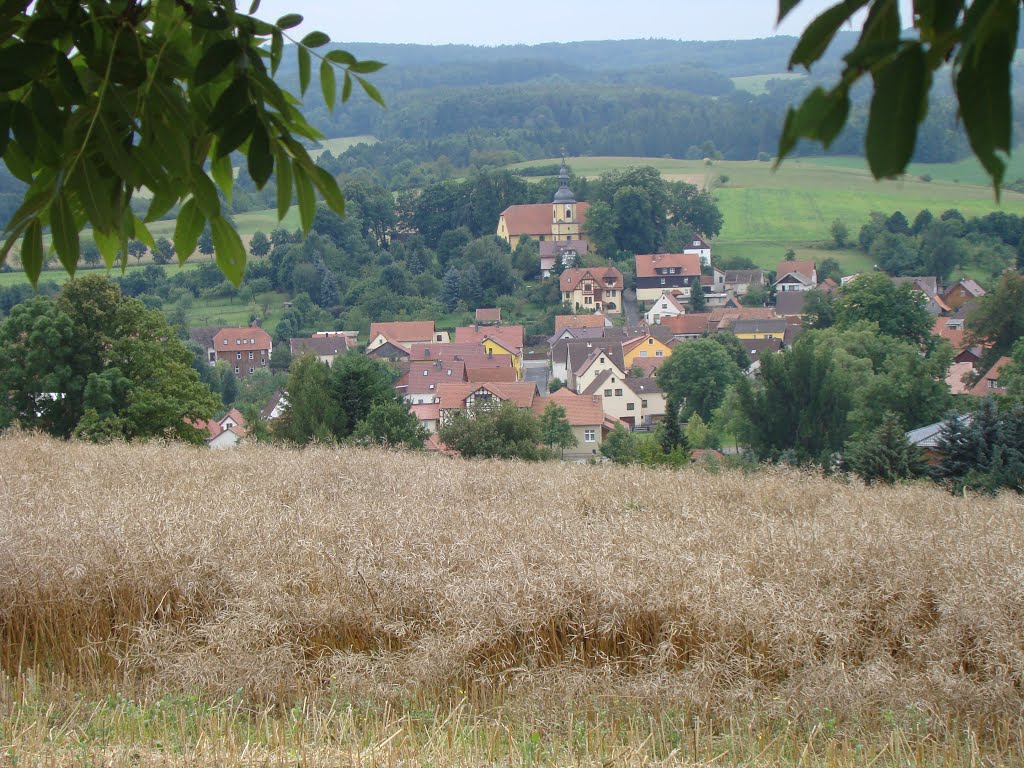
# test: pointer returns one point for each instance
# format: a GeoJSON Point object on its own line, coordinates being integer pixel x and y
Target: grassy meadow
{"type": "Point", "coordinates": [359, 607]}
{"type": "Point", "coordinates": [757, 84]}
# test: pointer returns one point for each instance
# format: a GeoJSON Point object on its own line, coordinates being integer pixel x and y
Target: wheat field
{"type": "Point", "coordinates": [168, 605]}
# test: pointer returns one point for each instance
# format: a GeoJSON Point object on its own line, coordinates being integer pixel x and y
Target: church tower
{"type": "Point", "coordinates": [565, 224]}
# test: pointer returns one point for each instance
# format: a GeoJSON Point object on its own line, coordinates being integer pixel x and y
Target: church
{"type": "Point", "coordinates": [556, 227]}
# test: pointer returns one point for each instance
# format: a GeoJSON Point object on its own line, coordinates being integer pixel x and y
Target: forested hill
{"type": "Point", "coordinates": [477, 105]}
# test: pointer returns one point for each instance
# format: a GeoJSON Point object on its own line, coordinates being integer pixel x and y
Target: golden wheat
{"type": "Point", "coordinates": [283, 576]}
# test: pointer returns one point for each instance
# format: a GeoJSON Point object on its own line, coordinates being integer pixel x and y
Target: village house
{"type": "Point", "coordinates": [667, 305]}
{"type": "Point", "coordinates": [569, 252]}
{"type": "Point", "coordinates": [596, 320]}
{"type": "Point", "coordinates": [636, 402]}
{"type": "Point", "coordinates": [795, 276]}
{"type": "Point", "coordinates": [325, 348]}
{"type": "Point", "coordinates": [561, 221]}
{"type": "Point", "coordinates": [225, 432]}
{"type": "Point", "coordinates": [686, 327]}
{"type": "Point", "coordinates": [496, 341]}
{"type": "Point", "coordinates": [592, 288]}
{"type": "Point", "coordinates": [419, 384]}
{"type": "Point", "coordinates": [722, 319]}
{"type": "Point", "coordinates": [569, 355]}
{"type": "Point", "coordinates": [646, 346]}
{"type": "Point", "coordinates": [656, 272]}
{"type": "Point", "coordinates": [759, 329]}
{"type": "Point", "coordinates": [488, 316]}
{"type": "Point", "coordinates": [585, 415]}
{"type": "Point", "coordinates": [961, 292]}
{"type": "Point", "coordinates": [245, 350]}
{"type": "Point", "coordinates": [790, 303]}
{"type": "Point", "coordinates": [700, 248]}
{"type": "Point", "coordinates": [471, 396]}
{"type": "Point", "coordinates": [596, 363]}
{"type": "Point", "coordinates": [741, 281]}
{"type": "Point", "coordinates": [403, 333]}
{"type": "Point", "coordinates": [988, 385]}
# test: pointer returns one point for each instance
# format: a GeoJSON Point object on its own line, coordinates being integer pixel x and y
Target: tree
{"type": "Point", "coordinates": [151, 94]}
{"type": "Point", "coordinates": [163, 251]}
{"type": "Point", "coordinates": [100, 365]}
{"type": "Point", "coordinates": [90, 253]}
{"type": "Point", "coordinates": [259, 246]}
{"type": "Point", "coordinates": [899, 311]}
{"type": "Point", "coordinates": [884, 455]}
{"type": "Point", "coordinates": [840, 232]}
{"type": "Point", "coordinates": [555, 430]}
{"type": "Point", "coordinates": [698, 301]}
{"type": "Point", "coordinates": [697, 375]}
{"type": "Point", "coordinates": [505, 432]}
{"type": "Point", "coordinates": [978, 38]}
{"type": "Point", "coordinates": [390, 423]}
{"type": "Point", "coordinates": [620, 446]}
{"type": "Point", "coordinates": [671, 435]}
{"type": "Point", "coordinates": [136, 248]}
{"type": "Point", "coordinates": [205, 243]}
{"type": "Point", "coordinates": [698, 434]}
{"type": "Point", "coordinates": [357, 383]}
{"type": "Point", "coordinates": [311, 412]}
{"type": "Point", "coordinates": [983, 450]}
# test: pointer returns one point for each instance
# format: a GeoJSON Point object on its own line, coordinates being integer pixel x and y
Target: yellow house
{"type": "Point", "coordinates": [494, 347]}
{"type": "Point", "coordinates": [643, 347]}
{"type": "Point", "coordinates": [560, 221]}
{"type": "Point", "coordinates": [496, 340]}
{"type": "Point", "coordinates": [759, 329]}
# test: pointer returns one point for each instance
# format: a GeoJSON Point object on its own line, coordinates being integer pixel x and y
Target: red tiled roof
{"type": "Point", "coordinates": [805, 268]}
{"type": "Point", "coordinates": [424, 378]}
{"type": "Point", "coordinates": [535, 219]}
{"type": "Point", "coordinates": [214, 428]}
{"type": "Point", "coordinates": [404, 330]}
{"type": "Point", "coordinates": [580, 410]}
{"type": "Point", "coordinates": [578, 321]}
{"type": "Point", "coordinates": [571, 277]}
{"type": "Point", "coordinates": [955, 336]}
{"type": "Point", "coordinates": [686, 325]}
{"type": "Point", "coordinates": [426, 411]}
{"type": "Point", "coordinates": [488, 315]}
{"type": "Point", "coordinates": [982, 388]}
{"type": "Point", "coordinates": [480, 372]}
{"type": "Point", "coordinates": [512, 337]}
{"type": "Point", "coordinates": [646, 263]}
{"type": "Point", "coordinates": [252, 338]}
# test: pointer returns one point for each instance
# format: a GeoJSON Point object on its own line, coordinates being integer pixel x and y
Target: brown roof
{"type": "Point", "coordinates": [649, 364]}
{"type": "Point", "coordinates": [252, 338]}
{"type": "Point", "coordinates": [580, 410]}
{"type": "Point", "coordinates": [790, 302]}
{"type": "Point", "coordinates": [686, 325]}
{"type": "Point", "coordinates": [481, 372]}
{"type": "Point", "coordinates": [723, 317]}
{"type": "Point", "coordinates": [322, 346]}
{"type": "Point", "coordinates": [578, 321]}
{"type": "Point", "coordinates": [643, 386]}
{"type": "Point", "coordinates": [488, 315]}
{"type": "Point", "coordinates": [579, 357]}
{"type": "Point", "coordinates": [954, 335]}
{"type": "Point", "coordinates": [424, 378]}
{"type": "Point", "coordinates": [605, 277]}
{"type": "Point", "coordinates": [404, 330]}
{"type": "Point", "coordinates": [213, 426]}
{"type": "Point", "coordinates": [535, 219]}
{"type": "Point", "coordinates": [425, 411]}
{"type": "Point", "coordinates": [968, 285]}
{"type": "Point", "coordinates": [453, 396]}
{"type": "Point", "coordinates": [203, 335]}
{"type": "Point", "coordinates": [646, 263]}
{"type": "Point", "coordinates": [981, 389]}
{"type": "Point", "coordinates": [512, 337]}
{"type": "Point", "coordinates": [805, 268]}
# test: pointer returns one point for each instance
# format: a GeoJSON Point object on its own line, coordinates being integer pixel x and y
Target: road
{"type": "Point", "coordinates": [630, 308]}
{"type": "Point", "coordinates": [537, 371]}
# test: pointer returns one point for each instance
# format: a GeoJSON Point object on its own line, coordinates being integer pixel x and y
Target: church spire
{"type": "Point", "coordinates": [564, 194]}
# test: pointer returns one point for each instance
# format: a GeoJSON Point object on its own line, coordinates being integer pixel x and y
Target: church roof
{"type": "Point", "coordinates": [535, 219]}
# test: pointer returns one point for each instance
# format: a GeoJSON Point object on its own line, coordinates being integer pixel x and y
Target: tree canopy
{"type": "Point", "coordinates": [100, 99]}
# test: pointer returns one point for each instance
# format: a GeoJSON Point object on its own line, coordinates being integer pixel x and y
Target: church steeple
{"type": "Point", "coordinates": [564, 194]}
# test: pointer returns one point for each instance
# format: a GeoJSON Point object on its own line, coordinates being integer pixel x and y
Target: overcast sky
{"type": "Point", "coordinates": [541, 21]}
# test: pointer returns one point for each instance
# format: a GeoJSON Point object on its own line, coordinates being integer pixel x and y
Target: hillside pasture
{"type": "Point", "coordinates": [339, 144]}
{"type": "Point", "coordinates": [366, 606]}
{"type": "Point", "coordinates": [758, 84]}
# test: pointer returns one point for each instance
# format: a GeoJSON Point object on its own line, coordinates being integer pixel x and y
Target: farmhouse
{"type": "Point", "coordinates": [657, 272]}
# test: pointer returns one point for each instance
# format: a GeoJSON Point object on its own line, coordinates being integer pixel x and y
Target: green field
{"type": "Point", "coordinates": [57, 275]}
{"type": "Point", "coordinates": [340, 144]}
{"type": "Point", "coordinates": [768, 211]}
{"type": "Point", "coordinates": [235, 312]}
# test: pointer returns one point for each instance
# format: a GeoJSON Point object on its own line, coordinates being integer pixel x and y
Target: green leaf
{"type": "Point", "coordinates": [276, 50]}
{"type": "Point", "coordinates": [68, 79]}
{"type": "Point", "coordinates": [366, 67]}
{"type": "Point", "coordinates": [46, 114]}
{"type": "Point", "coordinates": [261, 160]}
{"type": "Point", "coordinates": [32, 251]}
{"type": "Point", "coordinates": [141, 232]}
{"type": "Point", "coordinates": [307, 197]}
{"type": "Point", "coordinates": [820, 117]}
{"type": "Point", "coordinates": [304, 65]}
{"type": "Point", "coordinates": [229, 106]}
{"type": "Point", "coordinates": [372, 92]}
{"type": "Point", "coordinates": [785, 6]}
{"type": "Point", "coordinates": [22, 63]}
{"type": "Point", "coordinates": [161, 203]}
{"type": "Point", "coordinates": [65, 232]}
{"type": "Point", "coordinates": [215, 60]}
{"type": "Point", "coordinates": [819, 33]}
{"type": "Point", "coordinates": [223, 174]}
{"type": "Point", "coordinates": [108, 243]}
{"type": "Point", "coordinates": [187, 229]}
{"type": "Point", "coordinates": [288, 21]}
{"type": "Point", "coordinates": [229, 250]}
{"type": "Point", "coordinates": [328, 187]}
{"type": "Point", "coordinates": [283, 167]}
{"type": "Point", "coordinates": [346, 88]}
{"type": "Point", "coordinates": [328, 84]}
{"type": "Point", "coordinates": [898, 105]}
{"type": "Point", "coordinates": [236, 132]}
{"type": "Point", "coordinates": [341, 57]}
{"type": "Point", "coordinates": [5, 125]}
{"type": "Point", "coordinates": [205, 193]}
{"type": "Point", "coordinates": [254, 6]}
{"type": "Point", "coordinates": [315, 40]}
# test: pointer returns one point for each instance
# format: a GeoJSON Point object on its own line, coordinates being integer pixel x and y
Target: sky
{"type": "Point", "coordinates": [540, 21]}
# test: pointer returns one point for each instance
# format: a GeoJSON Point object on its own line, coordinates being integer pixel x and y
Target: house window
{"type": "Point", "coordinates": [238, 355]}
{"type": "Point", "coordinates": [263, 363]}
{"type": "Point", "coordinates": [659, 353]}
{"type": "Point", "coordinates": [567, 295]}
{"type": "Point", "coordinates": [663, 281]}
{"type": "Point", "coordinates": [251, 355]}
{"type": "Point", "coordinates": [588, 299]}
{"type": "Point", "coordinates": [618, 393]}
{"type": "Point", "coordinates": [238, 341]}
{"type": "Point", "coordinates": [643, 403]}
{"type": "Point", "coordinates": [425, 373]}
{"type": "Point", "coordinates": [630, 406]}
{"type": "Point", "coordinates": [236, 369]}
{"type": "Point", "coordinates": [252, 341]}
{"type": "Point", "coordinates": [225, 342]}
{"type": "Point", "coordinates": [607, 393]}
{"type": "Point", "coordinates": [251, 369]}
{"type": "Point", "coordinates": [643, 353]}
{"type": "Point", "coordinates": [993, 383]}
{"type": "Point", "coordinates": [589, 435]}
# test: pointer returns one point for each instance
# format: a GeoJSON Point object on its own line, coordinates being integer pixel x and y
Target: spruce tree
{"type": "Point", "coordinates": [672, 432]}
{"type": "Point", "coordinates": [697, 300]}
{"type": "Point", "coordinates": [884, 454]}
